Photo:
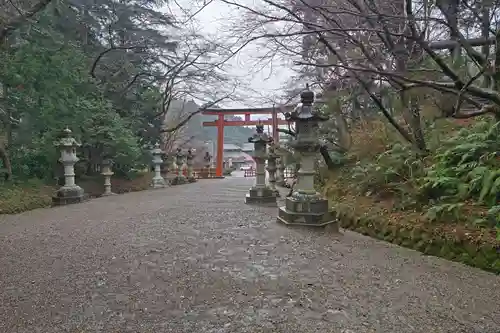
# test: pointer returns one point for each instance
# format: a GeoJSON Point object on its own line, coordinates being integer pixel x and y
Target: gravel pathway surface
{"type": "Point", "coordinates": [195, 258]}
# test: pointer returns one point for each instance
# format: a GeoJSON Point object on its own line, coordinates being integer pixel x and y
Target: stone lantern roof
{"type": "Point", "coordinates": [66, 140]}
{"type": "Point", "coordinates": [259, 136]}
{"type": "Point", "coordinates": [305, 111]}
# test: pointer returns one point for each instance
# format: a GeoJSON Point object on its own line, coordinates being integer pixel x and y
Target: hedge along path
{"type": "Point", "coordinates": [195, 258]}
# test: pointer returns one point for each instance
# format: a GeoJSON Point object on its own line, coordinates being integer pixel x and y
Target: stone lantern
{"type": "Point", "coordinates": [158, 181]}
{"type": "Point", "coordinates": [208, 164]}
{"type": "Point", "coordinates": [280, 171]}
{"type": "Point", "coordinates": [260, 193]}
{"type": "Point", "coordinates": [107, 173]}
{"type": "Point", "coordinates": [70, 192]}
{"type": "Point", "coordinates": [272, 167]}
{"type": "Point", "coordinates": [169, 167]}
{"type": "Point", "coordinates": [179, 178]}
{"type": "Point", "coordinates": [305, 206]}
{"type": "Point", "coordinates": [189, 162]}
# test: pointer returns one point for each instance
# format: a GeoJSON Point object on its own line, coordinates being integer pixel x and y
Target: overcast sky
{"type": "Point", "coordinates": [264, 84]}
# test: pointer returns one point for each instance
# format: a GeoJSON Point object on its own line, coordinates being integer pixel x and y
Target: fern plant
{"type": "Point", "coordinates": [466, 167]}
{"type": "Point", "coordinates": [444, 211]}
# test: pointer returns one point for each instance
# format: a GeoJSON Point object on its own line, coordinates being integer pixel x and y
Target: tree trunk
{"type": "Point", "coordinates": [6, 162]}
{"type": "Point", "coordinates": [406, 57]}
{"type": "Point", "coordinates": [326, 157]}
{"type": "Point", "coordinates": [485, 33]}
{"type": "Point", "coordinates": [496, 71]}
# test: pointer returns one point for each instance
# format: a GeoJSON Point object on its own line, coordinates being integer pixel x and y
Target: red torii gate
{"type": "Point", "coordinates": [221, 122]}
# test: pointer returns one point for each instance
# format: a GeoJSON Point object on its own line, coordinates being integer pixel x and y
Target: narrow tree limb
{"type": "Point", "coordinates": [191, 115]}
{"type": "Point", "coordinates": [103, 53]}
{"type": "Point", "coordinates": [15, 23]}
{"type": "Point", "coordinates": [448, 44]}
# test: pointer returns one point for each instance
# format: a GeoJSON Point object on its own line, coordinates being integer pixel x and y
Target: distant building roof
{"type": "Point", "coordinates": [237, 156]}
{"type": "Point", "coordinates": [230, 146]}
{"type": "Point", "coordinates": [247, 147]}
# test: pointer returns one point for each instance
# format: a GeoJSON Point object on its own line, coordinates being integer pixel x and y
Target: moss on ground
{"type": "Point", "coordinates": [20, 197]}
{"type": "Point", "coordinates": [387, 191]}
{"type": "Point", "coordinates": [474, 247]}
{"type": "Point", "coordinates": [23, 196]}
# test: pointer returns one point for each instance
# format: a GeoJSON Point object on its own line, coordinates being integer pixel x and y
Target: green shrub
{"type": "Point", "coordinates": [22, 196]}
{"type": "Point", "coordinates": [466, 167]}
{"type": "Point", "coordinates": [463, 171]}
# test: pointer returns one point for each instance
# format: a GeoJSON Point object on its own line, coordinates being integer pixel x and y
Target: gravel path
{"type": "Point", "coordinates": [196, 259]}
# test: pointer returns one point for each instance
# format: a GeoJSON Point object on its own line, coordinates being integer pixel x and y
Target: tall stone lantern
{"type": "Point", "coordinates": [208, 164]}
{"type": "Point", "coordinates": [189, 162]}
{"type": "Point", "coordinates": [272, 167]}
{"type": "Point", "coordinates": [170, 168]}
{"type": "Point", "coordinates": [306, 206]}
{"type": "Point", "coordinates": [107, 173]}
{"type": "Point", "coordinates": [260, 193]}
{"type": "Point", "coordinates": [280, 171]}
{"type": "Point", "coordinates": [179, 178]}
{"type": "Point", "coordinates": [158, 181]}
{"type": "Point", "coordinates": [69, 193]}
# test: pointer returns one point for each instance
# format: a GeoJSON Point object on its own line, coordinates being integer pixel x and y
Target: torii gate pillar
{"type": "Point", "coordinates": [219, 168]}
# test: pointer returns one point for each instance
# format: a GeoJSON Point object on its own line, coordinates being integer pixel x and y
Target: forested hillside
{"type": "Point", "coordinates": [107, 70]}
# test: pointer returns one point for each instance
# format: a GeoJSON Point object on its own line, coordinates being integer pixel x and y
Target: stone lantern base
{"type": "Point", "coordinates": [307, 212]}
{"type": "Point", "coordinates": [261, 196]}
{"type": "Point", "coordinates": [179, 180]}
{"type": "Point", "coordinates": [69, 195]}
{"type": "Point", "coordinates": [158, 182]}
{"type": "Point", "coordinates": [281, 183]}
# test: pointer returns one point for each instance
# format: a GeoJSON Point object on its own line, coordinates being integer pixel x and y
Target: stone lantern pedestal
{"type": "Point", "coordinates": [272, 168]}
{"type": "Point", "coordinates": [170, 167]}
{"type": "Point", "coordinates": [260, 193]}
{"type": "Point", "coordinates": [280, 172]}
{"type": "Point", "coordinates": [158, 181]}
{"type": "Point", "coordinates": [107, 173]}
{"type": "Point", "coordinates": [179, 178]}
{"type": "Point", "coordinates": [189, 162]}
{"type": "Point", "coordinates": [305, 206]}
{"type": "Point", "coordinates": [69, 193]}
{"type": "Point", "coordinates": [205, 171]}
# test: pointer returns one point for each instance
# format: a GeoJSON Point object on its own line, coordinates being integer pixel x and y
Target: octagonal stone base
{"type": "Point", "coordinates": [158, 183]}
{"type": "Point", "coordinates": [179, 180]}
{"type": "Point", "coordinates": [308, 213]}
{"type": "Point", "coordinates": [261, 196]}
{"type": "Point", "coordinates": [67, 195]}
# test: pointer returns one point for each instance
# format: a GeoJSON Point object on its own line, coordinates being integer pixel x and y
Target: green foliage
{"type": "Point", "coordinates": [21, 196]}
{"type": "Point", "coordinates": [466, 167]}
{"type": "Point", "coordinates": [444, 211]}
{"type": "Point", "coordinates": [48, 87]}
{"type": "Point", "coordinates": [339, 159]}
{"type": "Point", "coordinates": [399, 164]}
{"type": "Point", "coordinates": [492, 219]}
{"type": "Point", "coordinates": [463, 171]}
